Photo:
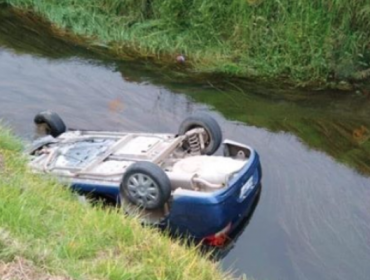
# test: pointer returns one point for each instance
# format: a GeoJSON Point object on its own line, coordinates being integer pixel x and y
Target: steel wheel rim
{"type": "Point", "coordinates": [207, 138]}
{"type": "Point", "coordinates": [143, 189]}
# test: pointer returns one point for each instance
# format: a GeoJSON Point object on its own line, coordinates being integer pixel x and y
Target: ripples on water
{"type": "Point", "coordinates": [313, 218]}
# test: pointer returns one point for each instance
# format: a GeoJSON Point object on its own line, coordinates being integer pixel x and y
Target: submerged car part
{"type": "Point", "coordinates": [174, 180]}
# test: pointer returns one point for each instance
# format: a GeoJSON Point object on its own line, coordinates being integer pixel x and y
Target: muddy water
{"type": "Point", "coordinates": [313, 218]}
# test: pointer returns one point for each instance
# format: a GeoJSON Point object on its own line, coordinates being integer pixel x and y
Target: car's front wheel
{"type": "Point", "coordinates": [146, 185]}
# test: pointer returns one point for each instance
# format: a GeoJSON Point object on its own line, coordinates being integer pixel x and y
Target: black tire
{"type": "Point", "coordinates": [210, 125]}
{"type": "Point", "coordinates": [146, 185]}
{"type": "Point", "coordinates": [53, 122]}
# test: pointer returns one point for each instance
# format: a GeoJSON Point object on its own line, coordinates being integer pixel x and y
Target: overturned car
{"type": "Point", "coordinates": [175, 180]}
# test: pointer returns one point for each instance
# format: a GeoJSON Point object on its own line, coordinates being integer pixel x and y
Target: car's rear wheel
{"type": "Point", "coordinates": [146, 185]}
{"type": "Point", "coordinates": [213, 131]}
{"type": "Point", "coordinates": [50, 122]}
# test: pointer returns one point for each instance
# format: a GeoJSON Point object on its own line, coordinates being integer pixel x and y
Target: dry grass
{"type": "Point", "coordinates": [22, 269]}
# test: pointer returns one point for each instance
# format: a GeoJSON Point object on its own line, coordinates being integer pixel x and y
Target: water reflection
{"type": "Point", "coordinates": [220, 253]}
{"type": "Point", "coordinates": [312, 221]}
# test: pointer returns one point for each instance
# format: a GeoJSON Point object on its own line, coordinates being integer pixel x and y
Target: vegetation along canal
{"type": "Point", "coordinates": [313, 217]}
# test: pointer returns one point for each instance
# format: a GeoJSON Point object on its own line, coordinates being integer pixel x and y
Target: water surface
{"type": "Point", "coordinates": [313, 218]}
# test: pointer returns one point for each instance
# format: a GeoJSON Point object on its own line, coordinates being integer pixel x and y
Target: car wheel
{"type": "Point", "coordinates": [52, 123]}
{"type": "Point", "coordinates": [146, 185]}
{"type": "Point", "coordinates": [210, 125]}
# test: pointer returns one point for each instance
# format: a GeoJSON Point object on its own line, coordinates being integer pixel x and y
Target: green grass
{"type": "Point", "coordinates": [298, 41]}
{"type": "Point", "coordinates": [42, 221]}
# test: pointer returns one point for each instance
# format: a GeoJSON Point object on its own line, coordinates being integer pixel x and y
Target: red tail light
{"type": "Point", "coordinates": [219, 239]}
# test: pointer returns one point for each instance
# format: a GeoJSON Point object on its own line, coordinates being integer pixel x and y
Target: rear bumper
{"type": "Point", "coordinates": [238, 224]}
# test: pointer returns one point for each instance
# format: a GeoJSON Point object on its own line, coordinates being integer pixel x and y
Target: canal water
{"type": "Point", "coordinates": [313, 216]}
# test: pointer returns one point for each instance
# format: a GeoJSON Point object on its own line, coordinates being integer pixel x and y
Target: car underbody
{"type": "Point", "coordinates": [158, 176]}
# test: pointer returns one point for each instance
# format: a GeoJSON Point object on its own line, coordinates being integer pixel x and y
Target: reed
{"type": "Point", "coordinates": [299, 41]}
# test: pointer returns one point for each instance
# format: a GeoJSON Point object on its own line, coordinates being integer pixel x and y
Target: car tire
{"type": "Point", "coordinates": [53, 122]}
{"type": "Point", "coordinates": [210, 125]}
{"type": "Point", "coordinates": [146, 185]}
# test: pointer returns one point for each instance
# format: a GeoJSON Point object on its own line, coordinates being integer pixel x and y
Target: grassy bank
{"type": "Point", "coordinates": [43, 227]}
{"type": "Point", "coordinates": [304, 42]}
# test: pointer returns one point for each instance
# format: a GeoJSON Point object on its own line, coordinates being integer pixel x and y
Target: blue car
{"type": "Point", "coordinates": [173, 181]}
